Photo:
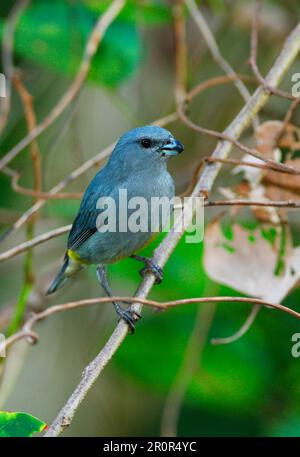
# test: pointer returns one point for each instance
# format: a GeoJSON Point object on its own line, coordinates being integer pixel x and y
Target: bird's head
{"type": "Point", "coordinates": [146, 145]}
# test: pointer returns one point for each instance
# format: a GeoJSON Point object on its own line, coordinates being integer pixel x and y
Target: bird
{"type": "Point", "coordinates": [137, 165]}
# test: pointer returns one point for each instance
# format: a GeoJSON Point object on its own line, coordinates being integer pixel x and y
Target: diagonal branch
{"type": "Point", "coordinates": [253, 56]}
{"type": "Point", "coordinates": [216, 53]}
{"type": "Point", "coordinates": [23, 247]}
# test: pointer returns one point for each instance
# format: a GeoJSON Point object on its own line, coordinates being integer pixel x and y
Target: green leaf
{"type": "Point", "coordinates": [149, 12]}
{"type": "Point", "coordinates": [228, 248]}
{"type": "Point", "coordinates": [269, 234]}
{"type": "Point", "coordinates": [54, 33]}
{"type": "Point", "coordinates": [19, 424]}
{"type": "Point", "coordinates": [226, 227]}
{"type": "Point", "coordinates": [280, 266]}
{"type": "Point", "coordinates": [252, 238]}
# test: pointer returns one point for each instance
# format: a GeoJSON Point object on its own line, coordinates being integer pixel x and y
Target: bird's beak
{"type": "Point", "coordinates": [172, 148]}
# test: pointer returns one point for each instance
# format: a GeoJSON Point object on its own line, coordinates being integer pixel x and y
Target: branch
{"type": "Point", "coordinates": [165, 249]}
{"type": "Point", "coordinates": [180, 51]}
{"type": "Point", "coordinates": [7, 55]}
{"type": "Point", "coordinates": [215, 52]}
{"type": "Point", "coordinates": [253, 56]}
{"type": "Point", "coordinates": [28, 280]}
{"type": "Point", "coordinates": [27, 102]}
{"type": "Point", "coordinates": [15, 176]}
{"type": "Point", "coordinates": [181, 109]}
{"type": "Point", "coordinates": [27, 330]}
{"type": "Point", "coordinates": [243, 202]}
{"type": "Point", "coordinates": [241, 332]}
{"type": "Point", "coordinates": [92, 45]}
{"type": "Point", "coordinates": [23, 247]}
{"type": "Point", "coordinates": [273, 165]}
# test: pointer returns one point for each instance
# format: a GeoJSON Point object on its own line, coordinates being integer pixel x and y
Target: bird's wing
{"type": "Point", "coordinates": [84, 225]}
{"type": "Point", "coordinates": [83, 228]}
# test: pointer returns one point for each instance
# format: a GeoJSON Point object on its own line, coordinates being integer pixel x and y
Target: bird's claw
{"type": "Point", "coordinates": [152, 267]}
{"type": "Point", "coordinates": [130, 317]}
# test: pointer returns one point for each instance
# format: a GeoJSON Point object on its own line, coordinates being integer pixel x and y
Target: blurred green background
{"type": "Point", "coordinates": [248, 388]}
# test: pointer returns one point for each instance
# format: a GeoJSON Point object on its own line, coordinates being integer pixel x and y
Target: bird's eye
{"type": "Point", "coordinates": [145, 142]}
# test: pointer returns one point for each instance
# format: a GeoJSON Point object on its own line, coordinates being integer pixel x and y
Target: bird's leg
{"type": "Point", "coordinates": [127, 315]}
{"type": "Point", "coordinates": [150, 267]}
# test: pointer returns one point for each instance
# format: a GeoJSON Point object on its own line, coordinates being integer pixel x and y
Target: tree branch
{"type": "Point", "coordinates": [243, 202]}
{"type": "Point", "coordinates": [216, 53]}
{"type": "Point", "coordinates": [253, 56]}
{"type": "Point", "coordinates": [27, 329]}
{"type": "Point", "coordinates": [23, 247]}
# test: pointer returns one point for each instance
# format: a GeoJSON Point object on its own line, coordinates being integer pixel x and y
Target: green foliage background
{"type": "Point", "coordinates": [248, 388]}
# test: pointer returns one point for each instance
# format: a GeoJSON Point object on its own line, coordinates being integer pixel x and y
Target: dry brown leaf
{"type": "Point", "coordinates": [285, 181]}
{"type": "Point", "coordinates": [250, 267]}
{"type": "Point", "coordinates": [268, 184]}
{"type": "Point", "coordinates": [267, 135]}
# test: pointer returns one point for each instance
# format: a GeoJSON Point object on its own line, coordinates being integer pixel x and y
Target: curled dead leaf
{"type": "Point", "coordinates": [248, 262]}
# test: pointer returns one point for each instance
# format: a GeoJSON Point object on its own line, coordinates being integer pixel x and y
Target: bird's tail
{"type": "Point", "coordinates": [68, 269]}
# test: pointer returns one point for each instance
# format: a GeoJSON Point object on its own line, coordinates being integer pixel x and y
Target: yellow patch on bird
{"type": "Point", "coordinates": [76, 257]}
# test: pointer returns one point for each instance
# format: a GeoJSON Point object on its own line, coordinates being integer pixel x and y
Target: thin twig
{"type": "Point", "coordinates": [165, 249]}
{"type": "Point", "coordinates": [216, 53]}
{"type": "Point", "coordinates": [92, 45]}
{"type": "Point", "coordinates": [181, 109]}
{"type": "Point", "coordinates": [241, 332]}
{"type": "Point", "coordinates": [287, 118]}
{"type": "Point", "coordinates": [28, 279]}
{"type": "Point", "coordinates": [7, 56]}
{"type": "Point", "coordinates": [244, 163]}
{"type": "Point", "coordinates": [243, 202]}
{"type": "Point", "coordinates": [36, 317]}
{"type": "Point", "coordinates": [30, 117]}
{"type": "Point", "coordinates": [253, 56]}
{"type": "Point", "coordinates": [273, 165]}
{"type": "Point", "coordinates": [180, 51]}
{"type": "Point", "coordinates": [15, 176]}
{"type": "Point", "coordinates": [23, 247]}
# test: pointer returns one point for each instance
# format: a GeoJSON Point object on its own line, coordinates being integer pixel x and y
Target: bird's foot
{"type": "Point", "coordinates": [129, 316]}
{"type": "Point", "coordinates": [152, 267]}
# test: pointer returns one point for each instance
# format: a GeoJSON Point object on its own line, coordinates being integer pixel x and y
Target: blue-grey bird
{"type": "Point", "coordinates": [138, 164]}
